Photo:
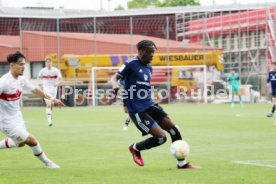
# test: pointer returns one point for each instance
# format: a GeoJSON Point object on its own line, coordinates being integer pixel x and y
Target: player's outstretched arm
{"type": "Point", "coordinates": [38, 92]}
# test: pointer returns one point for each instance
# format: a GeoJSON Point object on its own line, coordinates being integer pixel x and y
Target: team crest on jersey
{"type": "Point", "coordinates": [146, 77]}
{"type": "Point", "coordinates": [140, 70]}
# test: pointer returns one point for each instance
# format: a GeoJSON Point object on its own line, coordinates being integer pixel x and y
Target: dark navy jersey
{"type": "Point", "coordinates": [137, 78]}
{"type": "Point", "coordinates": [272, 79]}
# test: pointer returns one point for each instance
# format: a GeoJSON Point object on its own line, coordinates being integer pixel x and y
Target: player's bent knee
{"type": "Point", "coordinates": [166, 120]}
{"type": "Point", "coordinates": [31, 141]}
{"type": "Point", "coordinates": [167, 123]}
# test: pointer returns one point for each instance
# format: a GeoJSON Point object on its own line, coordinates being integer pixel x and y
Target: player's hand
{"type": "Point", "coordinates": [59, 103]}
{"type": "Point", "coordinates": [115, 88]}
{"type": "Point", "coordinates": [125, 109]}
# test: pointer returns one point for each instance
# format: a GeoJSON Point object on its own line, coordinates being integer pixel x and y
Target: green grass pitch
{"type": "Point", "coordinates": [91, 147]}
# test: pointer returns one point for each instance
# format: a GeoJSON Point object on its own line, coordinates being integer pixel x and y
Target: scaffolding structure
{"type": "Point", "coordinates": [247, 38]}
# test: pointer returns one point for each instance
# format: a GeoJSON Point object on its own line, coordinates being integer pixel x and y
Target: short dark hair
{"type": "Point", "coordinates": [273, 62]}
{"type": "Point", "coordinates": [13, 58]}
{"type": "Point", "coordinates": [145, 44]}
{"type": "Point", "coordinates": [48, 59]}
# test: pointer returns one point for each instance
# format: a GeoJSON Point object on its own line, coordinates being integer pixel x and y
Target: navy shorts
{"type": "Point", "coordinates": [149, 118]}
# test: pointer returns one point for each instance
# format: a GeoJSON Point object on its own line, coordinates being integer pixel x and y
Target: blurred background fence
{"type": "Point", "coordinates": [241, 36]}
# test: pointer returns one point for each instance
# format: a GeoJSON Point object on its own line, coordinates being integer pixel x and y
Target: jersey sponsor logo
{"type": "Point", "coordinates": [143, 83]}
{"type": "Point", "coordinates": [11, 97]}
{"type": "Point", "coordinates": [49, 77]}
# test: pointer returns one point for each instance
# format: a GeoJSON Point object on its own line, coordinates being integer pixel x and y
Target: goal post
{"type": "Point", "coordinates": [95, 79]}
{"type": "Point", "coordinates": [188, 83]}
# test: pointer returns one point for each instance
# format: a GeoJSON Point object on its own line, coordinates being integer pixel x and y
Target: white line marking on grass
{"type": "Point", "coordinates": [274, 122]}
{"type": "Point", "coordinates": [244, 115]}
{"type": "Point", "coordinates": [238, 115]}
{"type": "Point", "coordinates": [254, 163]}
{"type": "Point", "coordinates": [261, 160]}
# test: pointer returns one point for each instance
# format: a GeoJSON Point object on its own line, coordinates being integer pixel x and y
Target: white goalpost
{"type": "Point", "coordinates": [171, 77]}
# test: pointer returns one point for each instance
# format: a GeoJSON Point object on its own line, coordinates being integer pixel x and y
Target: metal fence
{"type": "Point", "coordinates": [246, 37]}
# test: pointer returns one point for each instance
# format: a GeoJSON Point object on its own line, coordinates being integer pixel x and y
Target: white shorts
{"type": "Point", "coordinates": [52, 92]}
{"type": "Point", "coordinates": [15, 129]}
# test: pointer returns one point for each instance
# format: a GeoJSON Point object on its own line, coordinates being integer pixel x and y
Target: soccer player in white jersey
{"type": "Point", "coordinates": [49, 79]}
{"type": "Point", "coordinates": [11, 120]}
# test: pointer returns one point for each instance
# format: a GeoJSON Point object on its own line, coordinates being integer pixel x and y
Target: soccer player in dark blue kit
{"type": "Point", "coordinates": [272, 80]}
{"type": "Point", "coordinates": [148, 117]}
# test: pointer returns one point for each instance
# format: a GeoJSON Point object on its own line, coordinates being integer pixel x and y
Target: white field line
{"type": "Point", "coordinates": [254, 163]}
{"type": "Point", "coordinates": [247, 115]}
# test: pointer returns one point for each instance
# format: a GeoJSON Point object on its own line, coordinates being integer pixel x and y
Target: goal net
{"type": "Point", "coordinates": [169, 84]}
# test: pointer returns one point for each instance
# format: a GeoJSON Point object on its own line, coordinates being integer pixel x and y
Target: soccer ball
{"type": "Point", "coordinates": [180, 149]}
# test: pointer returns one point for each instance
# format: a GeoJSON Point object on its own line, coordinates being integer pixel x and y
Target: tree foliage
{"type": "Point", "coordinates": [142, 3]}
{"type": "Point", "coordinates": [167, 3]}
{"type": "Point", "coordinates": [119, 7]}
{"type": "Point", "coordinates": [161, 3]}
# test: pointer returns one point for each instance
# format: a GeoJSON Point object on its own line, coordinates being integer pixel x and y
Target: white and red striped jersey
{"type": "Point", "coordinates": [49, 77]}
{"type": "Point", "coordinates": [10, 93]}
